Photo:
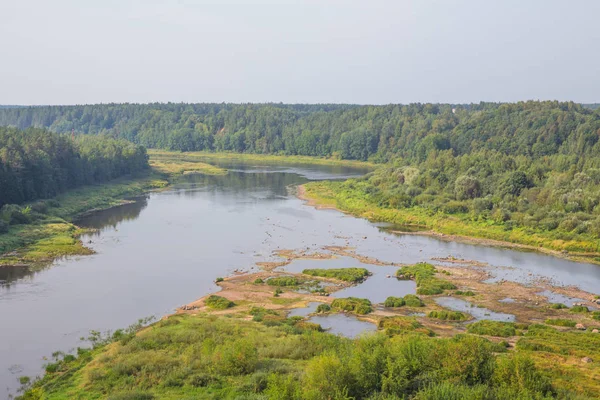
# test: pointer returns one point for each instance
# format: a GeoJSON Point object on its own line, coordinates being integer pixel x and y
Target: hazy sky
{"type": "Point", "coordinates": [347, 51]}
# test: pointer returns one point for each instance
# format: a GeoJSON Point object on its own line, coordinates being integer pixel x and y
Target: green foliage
{"type": "Point", "coordinates": [410, 300]}
{"type": "Point", "coordinates": [352, 304]}
{"type": "Point", "coordinates": [401, 325]}
{"type": "Point", "coordinates": [424, 276]}
{"type": "Point", "coordinates": [596, 315]}
{"type": "Point", "coordinates": [558, 306]}
{"type": "Point", "coordinates": [448, 315]}
{"type": "Point", "coordinates": [394, 302]}
{"type": "Point", "coordinates": [258, 281]}
{"type": "Point", "coordinates": [492, 328]}
{"type": "Point", "coordinates": [219, 280]}
{"type": "Point", "coordinates": [561, 322]}
{"type": "Point", "coordinates": [38, 164]}
{"type": "Point", "coordinates": [353, 275]}
{"type": "Point", "coordinates": [579, 309]}
{"type": "Point", "coordinates": [464, 293]}
{"type": "Point", "coordinates": [218, 302]}
{"type": "Point", "coordinates": [217, 357]}
{"type": "Point", "coordinates": [277, 292]}
{"type": "Point", "coordinates": [323, 308]}
{"type": "Point", "coordinates": [283, 281]}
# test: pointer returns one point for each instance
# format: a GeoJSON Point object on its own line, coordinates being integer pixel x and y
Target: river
{"type": "Point", "coordinates": [167, 248]}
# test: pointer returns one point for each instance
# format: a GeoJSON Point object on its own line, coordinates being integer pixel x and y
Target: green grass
{"type": "Point", "coordinates": [580, 309]}
{"type": "Point", "coordinates": [205, 357]}
{"type": "Point", "coordinates": [394, 302]}
{"type": "Point", "coordinates": [424, 276]}
{"type": "Point", "coordinates": [354, 275]}
{"type": "Point", "coordinates": [558, 306]}
{"type": "Point", "coordinates": [492, 328]}
{"type": "Point", "coordinates": [283, 281]}
{"type": "Point", "coordinates": [339, 195]}
{"type": "Point", "coordinates": [352, 304]}
{"type": "Point", "coordinates": [218, 302]}
{"type": "Point", "coordinates": [561, 322]}
{"type": "Point", "coordinates": [262, 158]}
{"type": "Point", "coordinates": [401, 325]}
{"type": "Point", "coordinates": [411, 300]}
{"type": "Point", "coordinates": [464, 293]}
{"type": "Point", "coordinates": [448, 315]}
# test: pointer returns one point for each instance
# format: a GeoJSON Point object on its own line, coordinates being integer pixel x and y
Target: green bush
{"type": "Point", "coordinates": [561, 322]}
{"type": "Point", "coordinates": [352, 304]}
{"type": "Point", "coordinates": [424, 276]}
{"type": "Point", "coordinates": [218, 302]}
{"type": "Point", "coordinates": [448, 315]}
{"type": "Point", "coordinates": [394, 302]}
{"type": "Point", "coordinates": [400, 324]}
{"type": "Point", "coordinates": [237, 358]}
{"type": "Point", "coordinates": [134, 395]}
{"type": "Point", "coordinates": [354, 275]}
{"type": "Point", "coordinates": [464, 293]}
{"type": "Point", "coordinates": [3, 227]}
{"type": "Point", "coordinates": [323, 308]}
{"type": "Point", "coordinates": [277, 292]}
{"type": "Point", "coordinates": [558, 306]}
{"type": "Point", "coordinates": [258, 281]}
{"type": "Point", "coordinates": [410, 300]}
{"type": "Point", "coordinates": [580, 309]}
{"type": "Point", "coordinates": [492, 328]}
{"type": "Point", "coordinates": [219, 280]}
{"type": "Point", "coordinates": [283, 281]}
{"type": "Point", "coordinates": [596, 315]}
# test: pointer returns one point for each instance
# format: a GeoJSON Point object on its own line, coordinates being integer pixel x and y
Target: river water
{"type": "Point", "coordinates": [167, 249]}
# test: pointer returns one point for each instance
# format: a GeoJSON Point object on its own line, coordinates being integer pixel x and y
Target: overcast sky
{"type": "Point", "coordinates": [347, 51]}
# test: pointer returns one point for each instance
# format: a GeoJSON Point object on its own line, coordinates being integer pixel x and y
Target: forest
{"type": "Point", "coordinates": [532, 165]}
{"type": "Point", "coordinates": [37, 164]}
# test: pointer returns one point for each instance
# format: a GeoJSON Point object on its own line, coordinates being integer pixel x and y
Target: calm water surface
{"type": "Point", "coordinates": [167, 249]}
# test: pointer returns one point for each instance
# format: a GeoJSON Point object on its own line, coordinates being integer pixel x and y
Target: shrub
{"type": "Point", "coordinates": [561, 322]}
{"type": "Point", "coordinates": [283, 281]}
{"type": "Point", "coordinates": [448, 315]}
{"type": "Point", "coordinates": [237, 358]}
{"type": "Point", "coordinates": [323, 308]}
{"type": "Point", "coordinates": [352, 304]}
{"type": "Point", "coordinates": [3, 227]}
{"type": "Point", "coordinates": [277, 292]}
{"type": "Point", "coordinates": [218, 302]}
{"type": "Point", "coordinates": [354, 275]}
{"type": "Point", "coordinates": [394, 302]}
{"type": "Point", "coordinates": [424, 276]}
{"type": "Point", "coordinates": [258, 281]}
{"type": "Point", "coordinates": [134, 395]}
{"type": "Point", "coordinates": [410, 300]}
{"type": "Point", "coordinates": [580, 309]}
{"type": "Point", "coordinates": [465, 293]}
{"type": "Point", "coordinates": [596, 315]}
{"type": "Point", "coordinates": [492, 328]}
{"type": "Point", "coordinates": [398, 325]}
{"type": "Point", "coordinates": [219, 280]}
{"type": "Point", "coordinates": [558, 306]}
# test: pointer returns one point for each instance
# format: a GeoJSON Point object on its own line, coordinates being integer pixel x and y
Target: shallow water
{"type": "Point", "coordinates": [554, 297]}
{"type": "Point", "coordinates": [304, 311]}
{"type": "Point", "coordinates": [376, 287]}
{"type": "Point", "coordinates": [343, 324]}
{"type": "Point", "coordinates": [167, 249]}
{"type": "Point", "coordinates": [478, 313]}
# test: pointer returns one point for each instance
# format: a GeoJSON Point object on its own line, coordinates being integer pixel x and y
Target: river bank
{"type": "Point", "coordinates": [326, 195]}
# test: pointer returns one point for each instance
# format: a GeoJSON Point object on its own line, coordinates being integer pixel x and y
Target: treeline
{"type": "Point", "coordinates": [381, 133]}
{"type": "Point", "coordinates": [38, 164]}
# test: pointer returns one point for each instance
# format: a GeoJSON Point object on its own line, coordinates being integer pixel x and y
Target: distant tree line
{"type": "Point", "coordinates": [381, 133]}
{"type": "Point", "coordinates": [35, 163]}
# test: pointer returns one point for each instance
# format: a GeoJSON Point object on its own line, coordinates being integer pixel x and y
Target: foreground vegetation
{"type": "Point", "coordinates": [273, 357]}
{"type": "Point", "coordinates": [354, 275]}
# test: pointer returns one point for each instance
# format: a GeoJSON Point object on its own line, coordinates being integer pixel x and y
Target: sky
{"type": "Point", "coordinates": [310, 51]}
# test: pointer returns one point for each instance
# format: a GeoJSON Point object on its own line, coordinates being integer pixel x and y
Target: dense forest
{"type": "Point", "coordinates": [35, 163]}
{"type": "Point", "coordinates": [528, 164]}
{"type": "Point", "coordinates": [531, 129]}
